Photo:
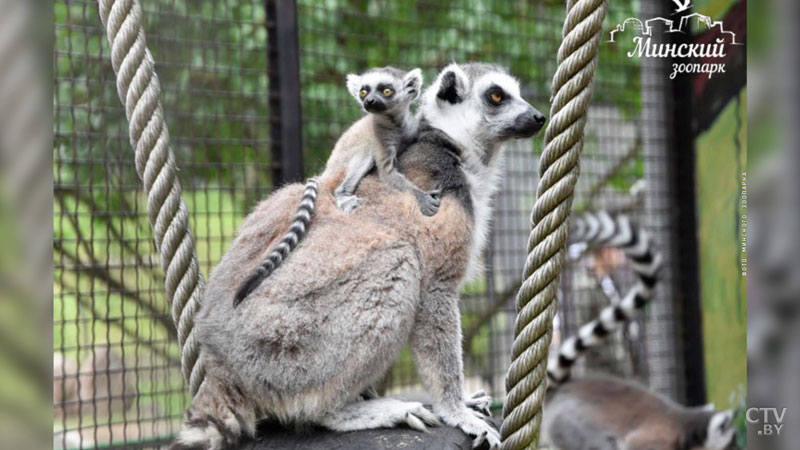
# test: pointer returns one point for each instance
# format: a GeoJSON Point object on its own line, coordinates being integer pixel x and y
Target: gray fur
{"type": "Point", "coordinates": [609, 413]}
{"type": "Point", "coordinates": [305, 347]}
{"type": "Point", "coordinates": [561, 421]}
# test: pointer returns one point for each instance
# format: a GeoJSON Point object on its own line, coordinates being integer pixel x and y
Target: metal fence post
{"type": "Point", "coordinates": [663, 339]}
{"type": "Point", "coordinates": [283, 67]}
{"type": "Point", "coordinates": [686, 228]}
{"type": "Point", "coordinates": [674, 331]}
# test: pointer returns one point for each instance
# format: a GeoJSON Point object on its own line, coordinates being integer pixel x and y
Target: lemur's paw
{"type": "Point", "coordinates": [420, 417]}
{"type": "Point", "coordinates": [347, 203]}
{"type": "Point", "coordinates": [413, 414]}
{"type": "Point", "coordinates": [428, 201]}
{"type": "Point", "coordinates": [479, 402]}
{"type": "Point", "coordinates": [380, 413]}
{"type": "Point", "coordinates": [474, 424]}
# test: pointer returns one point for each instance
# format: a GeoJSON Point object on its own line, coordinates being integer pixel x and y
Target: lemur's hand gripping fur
{"type": "Point", "coordinates": [429, 202]}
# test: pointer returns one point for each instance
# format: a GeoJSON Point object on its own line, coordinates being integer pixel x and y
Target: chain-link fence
{"type": "Point", "coordinates": [117, 377]}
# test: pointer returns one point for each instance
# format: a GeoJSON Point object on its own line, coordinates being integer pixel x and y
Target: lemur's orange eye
{"type": "Point", "coordinates": [387, 92]}
{"type": "Point", "coordinates": [497, 97]}
{"type": "Point", "coordinates": [363, 93]}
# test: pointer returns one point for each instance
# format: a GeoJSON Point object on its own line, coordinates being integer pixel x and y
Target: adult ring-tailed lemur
{"type": "Point", "coordinates": [363, 285]}
{"type": "Point", "coordinates": [386, 95]}
{"type": "Point", "coordinates": [608, 413]}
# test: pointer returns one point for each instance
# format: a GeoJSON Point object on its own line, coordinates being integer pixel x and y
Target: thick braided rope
{"type": "Point", "coordinates": [558, 169]}
{"type": "Point", "coordinates": [138, 89]}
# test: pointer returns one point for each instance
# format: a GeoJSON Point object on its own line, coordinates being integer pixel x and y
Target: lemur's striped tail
{"type": "Point", "coordinates": [596, 230]}
{"type": "Point", "coordinates": [297, 230]}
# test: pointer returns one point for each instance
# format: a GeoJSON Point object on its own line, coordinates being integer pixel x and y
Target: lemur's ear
{"type": "Point", "coordinates": [412, 83]}
{"type": "Point", "coordinates": [353, 84]}
{"type": "Point", "coordinates": [453, 84]}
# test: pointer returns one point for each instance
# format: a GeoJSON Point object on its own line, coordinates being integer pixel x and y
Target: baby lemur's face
{"type": "Point", "coordinates": [385, 89]}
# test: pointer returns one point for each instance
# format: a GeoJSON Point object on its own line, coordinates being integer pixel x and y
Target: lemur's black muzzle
{"type": "Point", "coordinates": [374, 105]}
{"type": "Point", "coordinates": [528, 123]}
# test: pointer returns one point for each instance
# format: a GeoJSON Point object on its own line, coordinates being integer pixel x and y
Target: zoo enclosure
{"type": "Point", "coordinates": [245, 85]}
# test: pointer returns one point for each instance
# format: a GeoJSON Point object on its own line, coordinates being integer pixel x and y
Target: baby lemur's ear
{"type": "Point", "coordinates": [412, 83]}
{"type": "Point", "coordinates": [353, 85]}
{"type": "Point", "coordinates": [453, 84]}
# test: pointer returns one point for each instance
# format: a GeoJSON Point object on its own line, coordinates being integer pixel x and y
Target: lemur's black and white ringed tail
{"type": "Point", "coordinates": [297, 230]}
{"type": "Point", "coordinates": [598, 230]}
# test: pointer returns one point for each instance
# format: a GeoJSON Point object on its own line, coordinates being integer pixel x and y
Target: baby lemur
{"type": "Point", "coordinates": [386, 94]}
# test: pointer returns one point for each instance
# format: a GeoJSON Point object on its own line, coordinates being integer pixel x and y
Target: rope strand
{"type": "Point", "coordinates": [559, 170]}
{"type": "Point", "coordinates": [138, 89]}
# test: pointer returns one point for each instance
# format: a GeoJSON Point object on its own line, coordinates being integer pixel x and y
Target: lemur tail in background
{"type": "Point", "coordinates": [297, 230]}
{"type": "Point", "coordinates": [597, 230]}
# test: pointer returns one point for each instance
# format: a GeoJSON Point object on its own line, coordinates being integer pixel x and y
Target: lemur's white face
{"type": "Point", "coordinates": [720, 431]}
{"type": "Point", "coordinates": [479, 107]}
{"type": "Point", "coordinates": [384, 90]}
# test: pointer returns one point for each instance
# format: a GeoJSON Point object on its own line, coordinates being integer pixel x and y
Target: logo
{"type": "Point", "coordinates": [770, 419]}
{"type": "Point", "coordinates": [712, 53]}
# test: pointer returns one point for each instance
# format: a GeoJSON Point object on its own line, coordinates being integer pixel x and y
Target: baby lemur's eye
{"type": "Point", "coordinates": [363, 93]}
{"type": "Point", "coordinates": [496, 97]}
{"type": "Point", "coordinates": [387, 92]}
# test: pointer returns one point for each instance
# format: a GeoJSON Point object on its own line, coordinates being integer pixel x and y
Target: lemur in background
{"type": "Point", "coordinates": [386, 95]}
{"type": "Point", "coordinates": [607, 413]}
{"type": "Point", "coordinates": [363, 285]}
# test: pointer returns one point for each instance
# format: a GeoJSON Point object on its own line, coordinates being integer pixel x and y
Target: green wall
{"type": "Point", "coordinates": [721, 158]}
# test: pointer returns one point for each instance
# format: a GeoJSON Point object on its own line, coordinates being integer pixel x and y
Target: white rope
{"type": "Point", "coordinates": [138, 89]}
{"type": "Point", "coordinates": [559, 169]}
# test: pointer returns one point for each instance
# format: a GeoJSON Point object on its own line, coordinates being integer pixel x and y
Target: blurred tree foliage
{"type": "Point", "coordinates": [215, 68]}
{"type": "Point", "coordinates": [342, 36]}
